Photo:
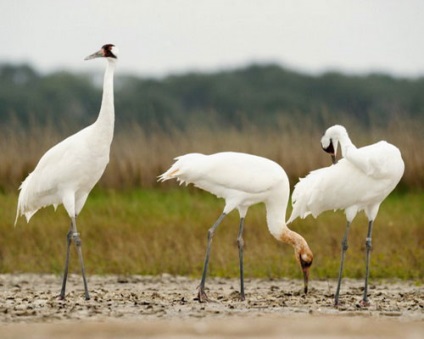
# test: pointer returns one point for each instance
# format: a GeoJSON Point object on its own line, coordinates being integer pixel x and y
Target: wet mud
{"type": "Point", "coordinates": [166, 306]}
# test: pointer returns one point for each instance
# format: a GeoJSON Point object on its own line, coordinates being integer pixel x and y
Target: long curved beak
{"type": "Point", "coordinates": [333, 159]}
{"type": "Point", "coordinates": [98, 54]}
{"type": "Point", "coordinates": [305, 278]}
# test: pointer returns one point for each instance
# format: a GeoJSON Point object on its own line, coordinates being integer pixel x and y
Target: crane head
{"type": "Point", "coordinates": [330, 140]}
{"type": "Point", "coordinates": [107, 51]}
{"type": "Point", "coordinates": [305, 259]}
{"type": "Point", "coordinates": [328, 146]}
{"type": "Point", "coordinates": [302, 252]}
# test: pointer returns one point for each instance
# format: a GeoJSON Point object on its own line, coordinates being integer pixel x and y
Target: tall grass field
{"type": "Point", "coordinates": [133, 225]}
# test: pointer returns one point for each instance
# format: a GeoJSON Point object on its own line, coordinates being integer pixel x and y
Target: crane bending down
{"type": "Point", "coordinates": [242, 180]}
{"type": "Point", "coordinates": [360, 181]}
{"type": "Point", "coordinates": [68, 171]}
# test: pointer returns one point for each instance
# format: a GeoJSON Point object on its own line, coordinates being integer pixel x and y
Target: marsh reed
{"type": "Point", "coordinates": [138, 155]}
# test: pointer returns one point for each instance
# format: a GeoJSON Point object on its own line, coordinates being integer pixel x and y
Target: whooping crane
{"type": "Point", "coordinates": [68, 171]}
{"type": "Point", "coordinates": [242, 180]}
{"type": "Point", "coordinates": [361, 180]}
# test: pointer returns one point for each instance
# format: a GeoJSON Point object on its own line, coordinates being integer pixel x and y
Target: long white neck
{"type": "Point", "coordinates": [106, 119]}
{"type": "Point", "coordinates": [345, 142]}
{"type": "Point", "coordinates": [276, 219]}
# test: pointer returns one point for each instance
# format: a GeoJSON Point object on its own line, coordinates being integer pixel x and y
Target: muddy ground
{"type": "Point", "coordinates": [165, 307]}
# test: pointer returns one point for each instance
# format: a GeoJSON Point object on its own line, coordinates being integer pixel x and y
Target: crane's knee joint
{"type": "Point", "coordinates": [345, 245]}
{"type": "Point", "coordinates": [368, 243]}
{"type": "Point", "coordinates": [76, 238]}
{"type": "Point", "coordinates": [240, 242]}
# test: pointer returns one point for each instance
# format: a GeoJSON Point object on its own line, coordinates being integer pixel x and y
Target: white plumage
{"type": "Point", "coordinates": [242, 180]}
{"type": "Point", "coordinates": [68, 171]}
{"type": "Point", "coordinates": [65, 174]}
{"type": "Point", "coordinates": [360, 181]}
{"type": "Point", "coordinates": [237, 177]}
{"type": "Point", "coordinates": [347, 186]}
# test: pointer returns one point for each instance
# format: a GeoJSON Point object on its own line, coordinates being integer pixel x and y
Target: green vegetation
{"type": "Point", "coordinates": [155, 231]}
{"type": "Point", "coordinates": [258, 94]}
{"type": "Point", "coordinates": [133, 225]}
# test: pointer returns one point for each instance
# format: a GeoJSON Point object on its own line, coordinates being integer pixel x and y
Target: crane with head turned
{"type": "Point", "coordinates": [68, 171]}
{"type": "Point", "coordinates": [242, 180]}
{"type": "Point", "coordinates": [360, 181]}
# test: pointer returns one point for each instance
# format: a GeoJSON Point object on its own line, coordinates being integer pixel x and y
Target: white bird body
{"type": "Point", "coordinates": [238, 178]}
{"type": "Point", "coordinates": [358, 182]}
{"type": "Point", "coordinates": [68, 171]}
{"type": "Point", "coordinates": [242, 180]}
{"type": "Point", "coordinates": [351, 184]}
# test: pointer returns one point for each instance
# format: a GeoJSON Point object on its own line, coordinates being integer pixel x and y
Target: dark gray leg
{"type": "Point", "coordinates": [77, 241]}
{"type": "Point", "coordinates": [368, 245]}
{"type": "Point", "coordinates": [65, 273]}
{"type": "Point", "coordinates": [240, 243]}
{"type": "Point", "coordinates": [202, 295]}
{"type": "Point", "coordinates": [73, 235]}
{"type": "Point", "coordinates": [344, 249]}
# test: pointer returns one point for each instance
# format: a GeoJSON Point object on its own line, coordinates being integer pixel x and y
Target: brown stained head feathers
{"type": "Point", "coordinates": [303, 253]}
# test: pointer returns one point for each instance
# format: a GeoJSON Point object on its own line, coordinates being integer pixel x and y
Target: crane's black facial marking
{"type": "Point", "coordinates": [303, 263]}
{"type": "Point", "coordinates": [330, 148]}
{"type": "Point", "coordinates": [107, 51]}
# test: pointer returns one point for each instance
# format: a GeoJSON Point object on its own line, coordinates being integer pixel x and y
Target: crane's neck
{"type": "Point", "coordinates": [276, 216]}
{"type": "Point", "coordinates": [345, 142]}
{"type": "Point", "coordinates": [106, 119]}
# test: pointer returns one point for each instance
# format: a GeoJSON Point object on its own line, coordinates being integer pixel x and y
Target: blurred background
{"type": "Point", "coordinates": [205, 76]}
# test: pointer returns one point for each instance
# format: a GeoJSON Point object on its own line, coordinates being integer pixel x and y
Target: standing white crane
{"type": "Point", "coordinates": [242, 180]}
{"type": "Point", "coordinates": [360, 181]}
{"type": "Point", "coordinates": [68, 171]}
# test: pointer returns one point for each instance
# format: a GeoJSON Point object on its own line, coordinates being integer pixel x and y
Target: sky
{"type": "Point", "coordinates": [157, 37]}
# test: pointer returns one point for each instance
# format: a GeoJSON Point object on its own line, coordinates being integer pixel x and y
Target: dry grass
{"type": "Point", "coordinates": [139, 156]}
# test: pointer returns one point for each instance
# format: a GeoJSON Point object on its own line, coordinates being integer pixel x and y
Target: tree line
{"type": "Point", "coordinates": [260, 94]}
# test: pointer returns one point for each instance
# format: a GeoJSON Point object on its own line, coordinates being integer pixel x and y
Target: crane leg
{"type": "Point", "coordinates": [240, 243]}
{"type": "Point", "coordinates": [77, 241]}
{"type": "Point", "coordinates": [368, 245]}
{"type": "Point", "coordinates": [73, 235]}
{"type": "Point", "coordinates": [202, 295]}
{"type": "Point", "coordinates": [344, 249]}
{"type": "Point", "coordinates": [65, 273]}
